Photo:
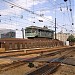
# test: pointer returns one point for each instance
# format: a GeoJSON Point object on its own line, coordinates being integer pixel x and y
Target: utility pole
{"type": "Point", "coordinates": [55, 28]}
{"type": "Point", "coordinates": [22, 32]}
{"type": "Point", "coordinates": [55, 19]}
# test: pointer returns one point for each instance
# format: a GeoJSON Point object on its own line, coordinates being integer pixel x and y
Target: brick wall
{"type": "Point", "coordinates": [11, 44]}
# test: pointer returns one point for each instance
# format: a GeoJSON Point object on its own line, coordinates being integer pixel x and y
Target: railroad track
{"type": "Point", "coordinates": [22, 62]}
{"type": "Point", "coordinates": [51, 67]}
{"type": "Point", "coordinates": [46, 69]}
{"type": "Point", "coordinates": [21, 53]}
{"type": "Point", "coordinates": [13, 65]}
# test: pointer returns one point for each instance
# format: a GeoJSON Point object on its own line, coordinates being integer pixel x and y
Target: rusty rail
{"type": "Point", "coordinates": [21, 53]}
{"type": "Point", "coordinates": [46, 69]}
{"type": "Point", "coordinates": [6, 67]}
{"type": "Point", "coordinates": [50, 67]}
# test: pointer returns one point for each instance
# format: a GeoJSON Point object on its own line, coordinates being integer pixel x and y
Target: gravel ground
{"type": "Point", "coordinates": [62, 70]}
{"type": "Point", "coordinates": [21, 70]}
{"type": "Point", "coordinates": [65, 70]}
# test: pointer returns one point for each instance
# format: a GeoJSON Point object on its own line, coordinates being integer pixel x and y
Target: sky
{"type": "Point", "coordinates": [18, 14]}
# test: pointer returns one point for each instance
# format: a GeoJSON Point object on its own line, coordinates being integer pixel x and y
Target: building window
{"type": "Point", "coordinates": [10, 45]}
{"type": "Point", "coordinates": [16, 46]}
{"type": "Point", "coordinates": [0, 44]}
{"type": "Point", "coordinates": [21, 45]}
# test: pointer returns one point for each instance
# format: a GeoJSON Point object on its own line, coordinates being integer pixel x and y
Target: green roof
{"type": "Point", "coordinates": [41, 28]}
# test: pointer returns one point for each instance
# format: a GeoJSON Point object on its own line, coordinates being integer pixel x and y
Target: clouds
{"type": "Point", "coordinates": [8, 26]}
{"type": "Point", "coordinates": [43, 12]}
{"type": "Point", "coordinates": [24, 18]}
{"type": "Point", "coordinates": [26, 4]}
{"type": "Point", "coordinates": [74, 20]}
{"type": "Point", "coordinates": [12, 10]}
{"type": "Point", "coordinates": [54, 0]}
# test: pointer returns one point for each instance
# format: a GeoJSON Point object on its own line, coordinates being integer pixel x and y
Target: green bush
{"type": "Point", "coordinates": [71, 38]}
{"type": "Point", "coordinates": [31, 65]}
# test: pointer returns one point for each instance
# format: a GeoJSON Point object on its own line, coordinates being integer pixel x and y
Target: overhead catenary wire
{"type": "Point", "coordinates": [72, 22]}
{"type": "Point", "coordinates": [8, 19]}
{"type": "Point", "coordinates": [71, 11]}
{"type": "Point", "coordinates": [19, 22]}
{"type": "Point", "coordinates": [13, 18]}
{"type": "Point", "coordinates": [60, 10]}
{"type": "Point", "coordinates": [28, 11]}
{"type": "Point", "coordinates": [44, 18]}
{"type": "Point", "coordinates": [68, 14]}
{"type": "Point", "coordinates": [67, 6]}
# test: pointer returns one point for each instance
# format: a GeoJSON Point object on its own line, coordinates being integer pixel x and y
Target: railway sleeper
{"type": "Point", "coordinates": [51, 70]}
{"type": "Point", "coordinates": [11, 66]}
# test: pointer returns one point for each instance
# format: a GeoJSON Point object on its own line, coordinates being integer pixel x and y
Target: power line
{"type": "Point", "coordinates": [28, 11]}
{"type": "Point", "coordinates": [56, 6]}
{"type": "Point", "coordinates": [71, 11]}
{"type": "Point", "coordinates": [19, 22]}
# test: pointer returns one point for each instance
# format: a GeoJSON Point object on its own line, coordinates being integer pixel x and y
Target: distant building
{"type": "Point", "coordinates": [7, 33]}
{"type": "Point", "coordinates": [63, 36]}
{"type": "Point", "coordinates": [39, 32]}
{"type": "Point", "coordinates": [19, 34]}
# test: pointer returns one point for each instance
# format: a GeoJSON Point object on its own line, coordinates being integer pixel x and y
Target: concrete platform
{"type": "Point", "coordinates": [69, 61]}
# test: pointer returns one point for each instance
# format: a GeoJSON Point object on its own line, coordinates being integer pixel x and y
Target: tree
{"type": "Point", "coordinates": [71, 38]}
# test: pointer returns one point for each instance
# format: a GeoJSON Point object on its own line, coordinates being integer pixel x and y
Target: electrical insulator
{"type": "Point", "coordinates": [10, 19]}
{"type": "Point", "coordinates": [40, 20]}
{"type": "Point", "coordinates": [60, 9]}
{"type": "Point", "coordinates": [16, 29]}
{"type": "Point", "coordinates": [65, 0]}
{"type": "Point", "coordinates": [12, 6]}
{"type": "Point", "coordinates": [21, 16]}
{"type": "Point", "coordinates": [70, 9]}
{"type": "Point", "coordinates": [67, 7]}
{"type": "Point", "coordinates": [22, 29]}
{"type": "Point", "coordinates": [33, 22]}
{"type": "Point", "coordinates": [41, 14]}
{"type": "Point", "coordinates": [72, 23]}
